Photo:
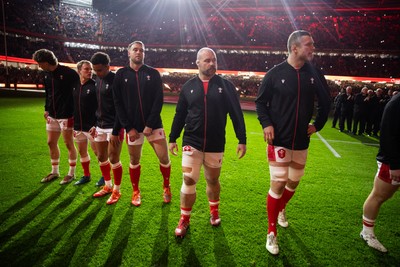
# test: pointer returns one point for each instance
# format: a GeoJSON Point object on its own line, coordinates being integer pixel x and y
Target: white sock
{"type": "Point", "coordinates": [55, 168]}
{"type": "Point", "coordinates": [72, 167]}
{"type": "Point", "coordinates": [368, 226]}
{"type": "Point", "coordinates": [108, 183]}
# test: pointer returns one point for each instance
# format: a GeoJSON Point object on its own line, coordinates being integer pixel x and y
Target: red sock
{"type": "Point", "coordinates": [166, 172]}
{"type": "Point", "coordinates": [214, 204]}
{"type": "Point", "coordinates": [272, 211]}
{"type": "Point", "coordinates": [105, 168]}
{"type": "Point", "coordinates": [134, 174]}
{"type": "Point", "coordinates": [185, 213]}
{"type": "Point", "coordinates": [368, 222]}
{"type": "Point", "coordinates": [286, 196]}
{"type": "Point", "coordinates": [117, 171]}
{"type": "Point", "coordinates": [85, 167]}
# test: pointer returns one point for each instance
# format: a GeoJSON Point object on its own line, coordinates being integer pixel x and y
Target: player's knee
{"type": "Point", "coordinates": [114, 156]}
{"type": "Point", "coordinates": [296, 174]}
{"type": "Point", "coordinates": [69, 144]}
{"type": "Point", "coordinates": [188, 186]}
{"type": "Point", "coordinates": [190, 178]}
{"type": "Point", "coordinates": [165, 163]}
{"type": "Point", "coordinates": [278, 173]}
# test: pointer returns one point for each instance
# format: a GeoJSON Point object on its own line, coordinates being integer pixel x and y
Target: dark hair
{"type": "Point", "coordinates": [294, 38]}
{"type": "Point", "coordinates": [44, 55]}
{"type": "Point", "coordinates": [100, 58]}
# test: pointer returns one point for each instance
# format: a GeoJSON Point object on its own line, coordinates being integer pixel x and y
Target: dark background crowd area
{"type": "Point", "coordinates": [348, 43]}
{"type": "Point", "coordinates": [373, 30]}
{"type": "Point", "coordinates": [247, 86]}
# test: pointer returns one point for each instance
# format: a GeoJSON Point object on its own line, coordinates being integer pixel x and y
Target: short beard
{"type": "Point", "coordinates": [210, 72]}
{"type": "Point", "coordinates": [136, 62]}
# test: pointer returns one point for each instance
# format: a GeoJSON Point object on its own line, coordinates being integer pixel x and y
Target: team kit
{"type": "Point", "coordinates": [108, 109]}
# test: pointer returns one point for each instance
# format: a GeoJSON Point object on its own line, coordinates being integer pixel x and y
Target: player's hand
{"type": "Point", "coordinates": [241, 150]}
{"type": "Point", "coordinates": [92, 132]}
{"type": "Point", "coordinates": [133, 135]}
{"type": "Point", "coordinates": [395, 175]}
{"type": "Point", "coordinates": [269, 134]}
{"type": "Point", "coordinates": [173, 148]}
{"type": "Point", "coordinates": [311, 129]}
{"type": "Point", "coordinates": [147, 131]}
{"type": "Point", "coordinates": [45, 115]}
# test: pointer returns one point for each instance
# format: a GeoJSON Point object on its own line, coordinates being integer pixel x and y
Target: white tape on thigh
{"type": "Point", "coordinates": [194, 174]}
{"type": "Point", "coordinates": [295, 174]}
{"type": "Point", "coordinates": [278, 173]}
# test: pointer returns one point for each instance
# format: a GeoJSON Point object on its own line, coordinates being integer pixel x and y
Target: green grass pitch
{"type": "Point", "coordinates": [54, 225]}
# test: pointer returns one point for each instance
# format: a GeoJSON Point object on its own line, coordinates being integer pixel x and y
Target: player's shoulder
{"type": "Point", "coordinates": [223, 81]}
{"type": "Point", "coordinates": [151, 70]}
{"type": "Point", "coordinates": [279, 68]}
{"type": "Point", "coordinates": [66, 69]}
{"type": "Point", "coordinates": [191, 82]}
{"type": "Point", "coordinates": [122, 71]}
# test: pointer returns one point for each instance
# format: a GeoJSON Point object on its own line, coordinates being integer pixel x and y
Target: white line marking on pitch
{"type": "Point", "coordinates": [332, 141]}
{"type": "Point", "coordinates": [349, 142]}
{"type": "Point", "coordinates": [328, 146]}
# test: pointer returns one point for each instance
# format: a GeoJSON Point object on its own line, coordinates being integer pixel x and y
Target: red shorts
{"type": "Point", "coordinates": [383, 173]}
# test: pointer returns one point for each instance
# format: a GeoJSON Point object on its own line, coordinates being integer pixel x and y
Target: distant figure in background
{"type": "Point", "coordinates": [109, 132]}
{"type": "Point", "coordinates": [387, 178]}
{"type": "Point", "coordinates": [85, 105]}
{"type": "Point", "coordinates": [346, 112]}
{"type": "Point", "coordinates": [285, 106]}
{"type": "Point", "coordinates": [138, 97]}
{"type": "Point", "coordinates": [337, 105]}
{"type": "Point", "coordinates": [360, 112]}
{"type": "Point", "coordinates": [378, 112]}
{"type": "Point", "coordinates": [372, 106]}
{"type": "Point", "coordinates": [59, 82]}
{"type": "Point", "coordinates": [202, 109]}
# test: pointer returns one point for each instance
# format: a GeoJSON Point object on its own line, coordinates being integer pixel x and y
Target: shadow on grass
{"type": "Point", "coordinates": [28, 218]}
{"type": "Point", "coordinates": [65, 254]}
{"type": "Point", "coordinates": [120, 240]}
{"type": "Point", "coordinates": [386, 259]}
{"type": "Point", "coordinates": [21, 204]}
{"type": "Point", "coordinates": [189, 256]}
{"type": "Point", "coordinates": [293, 245]}
{"type": "Point", "coordinates": [222, 251]}
{"type": "Point", "coordinates": [97, 237]}
{"type": "Point", "coordinates": [365, 140]}
{"type": "Point", "coordinates": [161, 246]}
{"type": "Point", "coordinates": [29, 250]}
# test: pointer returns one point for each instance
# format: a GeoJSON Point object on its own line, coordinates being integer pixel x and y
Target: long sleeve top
{"type": "Point", "coordinates": [389, 149]}
{"type": "Point", "coordinates": [286, 101]}
{"type": "Point", "coordinates": [58, 86]}
{"type": "Point", "coordinates": [106, 113]}
{"type": "Point", "coordinates": [85, 105]}
{"type": "Point", "coordinates": [138, 98]}
{"type": "Point", "coordinates": [204, 115]}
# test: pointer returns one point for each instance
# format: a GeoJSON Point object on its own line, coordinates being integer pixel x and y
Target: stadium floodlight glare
{"type": "Point", "coordinates": [86, 3]}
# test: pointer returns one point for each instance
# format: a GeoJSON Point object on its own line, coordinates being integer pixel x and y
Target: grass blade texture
{"type": "Point", "coordinates": [54, 225]}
